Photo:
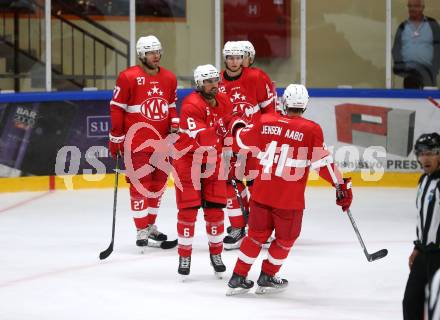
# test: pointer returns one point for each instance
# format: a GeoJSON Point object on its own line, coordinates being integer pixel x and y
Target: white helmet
{"type": "Point", "coordinates": [147, 44]}
{"type": "Point", "coordinates": [232, 48]}
{"type": "Point", "coordinates": [295, 96]}
{"type": "Point", "coordinates": [205, 72]}
{"type": "Point", "coordinates": [248, 48]}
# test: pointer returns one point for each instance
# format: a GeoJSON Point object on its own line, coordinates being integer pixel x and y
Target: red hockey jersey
{"type": "Point", "coordinates": [139, 98]}
{"type": "Point", "coordinates": [251, 93]}
{"type": "Point", "coordinates": [197, 118]}
{"type": "Point", "coordinates": [286, 148]}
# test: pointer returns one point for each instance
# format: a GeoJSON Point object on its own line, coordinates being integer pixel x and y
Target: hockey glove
{"type": "Point", "coordinates": [222, 125]}
{"type": "Point", "coordinates": [116, 145]}
{"type": "Point", "coordinates": [174, 125]}
{"type": "Point", "coordinates": [344, 195]}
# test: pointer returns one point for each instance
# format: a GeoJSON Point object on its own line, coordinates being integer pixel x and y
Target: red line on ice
{"type": "Point", "coordinates": [65, 270]}
{"type": "Point", "coordinates": [23, 202]}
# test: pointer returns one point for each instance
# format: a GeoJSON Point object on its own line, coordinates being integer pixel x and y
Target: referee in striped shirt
{"type": "Point", "coordinates": [424, 261]}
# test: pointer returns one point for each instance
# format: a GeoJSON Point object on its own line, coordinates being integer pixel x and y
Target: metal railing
{"type": "Point", "coordinates": [82, 54]}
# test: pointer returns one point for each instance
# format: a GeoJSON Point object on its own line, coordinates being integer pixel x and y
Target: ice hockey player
{"type": "Point", "coordinates": [425, 257]}
{"type": "Point", "coordinates": [249, 60]}
{"type": "Point", "coordinates": [202, 184]}
{"type": "Point", "coordinates": [251, 95]}
{"type": "Point", "coordinates": [290, 146]}
{"type": "Point", "coordinates": [143, 107]}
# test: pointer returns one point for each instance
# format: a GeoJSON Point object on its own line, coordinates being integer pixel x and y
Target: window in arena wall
{"type": "Point", "coordinates": [145, 9]}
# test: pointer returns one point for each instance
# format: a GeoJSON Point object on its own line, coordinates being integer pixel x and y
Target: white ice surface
{"type": "Point", "coordinates": [49, 267]}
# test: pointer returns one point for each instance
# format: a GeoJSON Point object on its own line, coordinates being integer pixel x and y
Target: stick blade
{"type": "Point", "coordinates": [378, 255]}
{"type": "Point", "coordinates": [168, 244]}
{"type": "Point", "coordinates": [104, 254]}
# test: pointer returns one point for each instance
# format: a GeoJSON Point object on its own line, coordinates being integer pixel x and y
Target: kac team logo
{"type": "Point", "coordinates": [242, 106]}
{"type": "Point", "coordinates": [155, 109]}
{"type": "Point", "coordinates": [246, 109]}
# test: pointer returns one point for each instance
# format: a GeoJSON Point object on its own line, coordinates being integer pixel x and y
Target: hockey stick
{"type": "Point", "coordinates": [168, 244]}
{"type": "Point", "coordinates": [104, 254]}
{"type": "Point", "coordinates": [435, 103]}
{"type": "Point", "coordinates": [370, 257]}
{"type": "Point", "coordinates": [240, 200]}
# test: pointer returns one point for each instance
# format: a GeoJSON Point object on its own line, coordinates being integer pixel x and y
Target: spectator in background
{"type": "Point", "coordinates": [416, 49]}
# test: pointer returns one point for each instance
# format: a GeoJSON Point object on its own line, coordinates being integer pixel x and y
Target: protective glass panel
{"type": "Point", "coordinates": [273, 28]}
{"type": "Point", "coordinates": [185, 30]}
{"type": "Point", "coordinates": [90, 43]}
{"type": "Point", "coordinates": [416, 59]}
{"type": "Point", "coordinates": [346, 43]}
{"type": "Point", "coordinates": [22, 38]}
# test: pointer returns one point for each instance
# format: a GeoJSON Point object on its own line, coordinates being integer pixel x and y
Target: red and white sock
{"type": "Point", "coordinates": [214, 228]}
{"type": "Point", "coordinates": [235, 215]}
{"type": "Point", "coordinates": [186, 219]}
{"type": "Point", "coordinates": [277, 253]}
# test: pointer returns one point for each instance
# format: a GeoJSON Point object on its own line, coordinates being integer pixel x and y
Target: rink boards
{"type": "Point", "coordinates": [370, 133]}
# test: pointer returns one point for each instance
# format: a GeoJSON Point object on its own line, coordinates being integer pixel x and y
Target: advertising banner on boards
{"type": "Point", "coordinates": [374, 135]}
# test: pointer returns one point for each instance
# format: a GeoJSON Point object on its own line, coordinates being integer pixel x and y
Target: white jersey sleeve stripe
{"type": "Point", "coordinates": [295, 163]}
{"type": "Point", "coordinates": [120, 105]}
{"type": "Point", "coordinates": [191, 133]}
{"type": "Point", "coordinates": [322, 162]}
{"type": "Point", "coordinates": [264, 104]}
{"type": "Point", "coordinates": [134, 108]}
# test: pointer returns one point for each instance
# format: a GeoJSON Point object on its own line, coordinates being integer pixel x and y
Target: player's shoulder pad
{"type": "Point", "coordinates": [167, 73]}
{"type": "Point", "coordinates": [191, 98]}
{"type": "Point", "coordinates": [222, 97]}
{"type": "Point", "coordinates": [251, 72]}
{"type": "Point", "coordinates": [270, 117]}
{"type": "Point", "coordinates": [311, 123]}
{"type": "Point", "coordinates": [261, 72]}
{"type": "Point", "coordinates": [193, 103]}
{"type": "Point", "coordinates": [132, 71]}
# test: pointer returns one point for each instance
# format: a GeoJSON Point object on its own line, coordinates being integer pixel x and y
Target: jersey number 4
{"type": "Point", "coordinates": [270, 156]}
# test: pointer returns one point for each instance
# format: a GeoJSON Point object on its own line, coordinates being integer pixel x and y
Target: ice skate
{"type": "Point", "coordinates": [234, 238]}
{"type": "Point", "coordinates": [270, 284]}
{"type": "Point", "coordinates": [238, 285]}
{"type": "Point", "coordinates": [218, 265]}
{"type": "Point", "coordinates": [184, 267]}
{"type": "Point", "coordinates": [142, 239]}
{"type": "Point", "coordinates": [155, 237]}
